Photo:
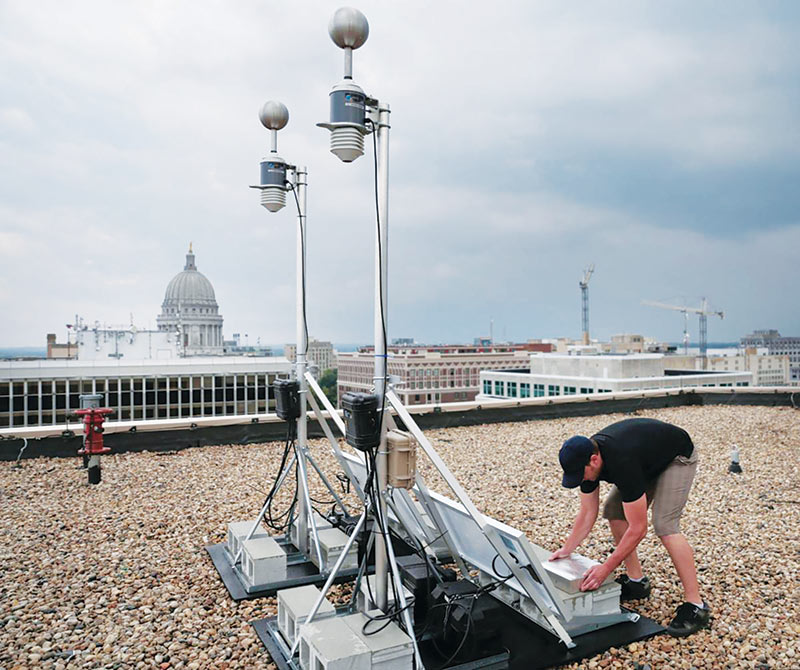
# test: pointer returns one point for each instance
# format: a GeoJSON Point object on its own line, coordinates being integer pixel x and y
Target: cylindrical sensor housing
{"type": "Point", "coordinates": [402, 459]}
{"type": "Point", "coordinates": [273, 183]}
{"type": "Point", "coordinates": [348, 121]}
{"type": "Point", "coordinates": [363, 431]}
{"type": "Point", "coordinates": [348, 104]}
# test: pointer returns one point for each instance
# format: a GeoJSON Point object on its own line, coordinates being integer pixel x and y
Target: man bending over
{"type": "Point", "coordinates": [648, 462]}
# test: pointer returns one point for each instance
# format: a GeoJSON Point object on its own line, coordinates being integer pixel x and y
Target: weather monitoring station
{"type": "Point", "coordinates": [523, 494]}
{"type": "Point", "coordinates": [437, 583]}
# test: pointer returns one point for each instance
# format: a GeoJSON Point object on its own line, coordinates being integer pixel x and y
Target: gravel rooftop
{"type": "Point", "coordinates": [116, 576]}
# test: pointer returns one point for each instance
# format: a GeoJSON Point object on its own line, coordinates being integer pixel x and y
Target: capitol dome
{"type": "Point", "coordinates": [190, 307]}
{"type": "Point", "coordinates": [189, 286]}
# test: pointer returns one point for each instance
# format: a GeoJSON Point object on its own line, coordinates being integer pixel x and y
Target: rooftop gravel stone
{"type": "Point", "coordinates": [116, 575]}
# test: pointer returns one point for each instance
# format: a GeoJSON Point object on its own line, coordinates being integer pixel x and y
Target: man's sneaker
{"type": "Point", "coordinates": [689, 619]}
{"type": "Point", "coordinates": [633, 590]}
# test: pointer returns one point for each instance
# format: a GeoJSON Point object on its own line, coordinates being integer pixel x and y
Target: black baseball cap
{"type": "Point", "coordinates": [574, 457]}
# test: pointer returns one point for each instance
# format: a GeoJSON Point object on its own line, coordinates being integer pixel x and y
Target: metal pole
{"type": "Point", "coordinates": [381, 336]}
{"type": "Point", "coordinates": [303, 509]}
{"type": "Point", "coordinates": [348, 63]}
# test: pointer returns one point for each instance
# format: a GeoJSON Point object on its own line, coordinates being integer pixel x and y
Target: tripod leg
{"type": "Point", "coordinates": [327, 483]}
{"type": "Point", "coordinates": [333, 575]}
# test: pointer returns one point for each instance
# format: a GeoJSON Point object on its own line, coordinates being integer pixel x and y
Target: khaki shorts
{"type": "Point", "coordinates": [668, 495]}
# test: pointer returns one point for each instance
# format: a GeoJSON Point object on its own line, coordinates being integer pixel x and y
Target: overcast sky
{"type": "Point", "coordinates": [659, 141]}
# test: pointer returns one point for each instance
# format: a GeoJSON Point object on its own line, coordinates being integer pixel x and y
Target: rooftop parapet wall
{"type": "Point", "coordinates": [176, 434]}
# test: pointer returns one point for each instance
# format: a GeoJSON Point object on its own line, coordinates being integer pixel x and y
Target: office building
{"type": "Point", "coordinates": [774, 343]}
{"type": "Point", "coordinates": [321, 354]}
{"type": "Point", "coordinates": [46, 392]}
{"type": "Point", "coordinates": [433, 374]}
{"type": "Point", "coordinates": [564, 374]}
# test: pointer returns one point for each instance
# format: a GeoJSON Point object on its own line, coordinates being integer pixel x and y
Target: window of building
{"type": "Point", "coordinates": [498, 388]}
{"type": "Point", "coordinates": [487, 387]}
{"type": "Point", "coordinates": [570, 390]}
{"type": "Point", "coordinates": [586, 390]}
{"type": "Point", "coordinates": [538, 390]}
{"type": "Point", "coordinates": [512, 389]}
{"type": "Point", "coordinates": [553, 390]}
{"type": "Point", "coordinates": [524, 390]}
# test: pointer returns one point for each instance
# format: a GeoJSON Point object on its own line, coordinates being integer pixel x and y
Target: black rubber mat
{"type": "Point", "coordinates": [297, 574]}
{"type": "Point", "coordinates": [529, 647]}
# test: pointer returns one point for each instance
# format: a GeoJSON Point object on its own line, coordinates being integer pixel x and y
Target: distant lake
{"type": "Point", "coordinates": [23, 352]}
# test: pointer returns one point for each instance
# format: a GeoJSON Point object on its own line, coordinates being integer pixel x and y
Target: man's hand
{"type": "Point", "coordinates": [594, 577]}
{"type": "Point", "coordinates": [561, 553]}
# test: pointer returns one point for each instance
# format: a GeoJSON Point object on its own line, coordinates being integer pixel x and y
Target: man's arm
{"type": "Point", "coordinates": [636, 516]}
{"type": "Point", "coordinates": [587, 515]}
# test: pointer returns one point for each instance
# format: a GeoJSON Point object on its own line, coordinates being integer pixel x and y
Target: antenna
{"type": "Point", "coordinates": [584, 284]}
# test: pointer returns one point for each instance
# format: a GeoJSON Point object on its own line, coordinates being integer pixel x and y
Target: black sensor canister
{"type": "Point", "coordinates": [287, 399]}
{"type": "Point", "coordinates": [363, 430]}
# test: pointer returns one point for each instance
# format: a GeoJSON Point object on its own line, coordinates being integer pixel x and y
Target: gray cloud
{"type": "Point", "coordinates": [529, 139]}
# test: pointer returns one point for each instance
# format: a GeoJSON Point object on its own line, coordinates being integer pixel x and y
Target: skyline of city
{"type": "Point", "coordinates": [659, 143]}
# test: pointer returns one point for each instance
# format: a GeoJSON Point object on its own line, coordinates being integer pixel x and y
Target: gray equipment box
{"type": "Point", "coordinates": [567, 573]}
{"type": "Point", "coordinates": [294, 606]}
{"type": "Point", "coordinates": [263, 563]}
{"type": "Point", "coordinates": [390, 648]}
{"type": "Point", "coordinates": [330, 644]}
{"type": "Point", "coordinates": [604, 600]}
{"type": "Point", "coordinates": [331, 544]}
{"type": "Point", "coordinates": [294, 531]}
{"type": "Point", "coordinates": [237, 531]}
{"type": "Point", "coordinates": [364, 603]}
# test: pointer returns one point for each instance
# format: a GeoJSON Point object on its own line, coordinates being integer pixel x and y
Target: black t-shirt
{"type": "Point", "coordinates": [635, 452]}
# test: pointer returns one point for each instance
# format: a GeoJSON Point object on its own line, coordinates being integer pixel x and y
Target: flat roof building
{"type": "Point", "coordinates": [433, 374]}
{"type": "Point", "coordinates": [46, 392]}
{"type": "Point", "coordinates": [320, 353]}
{"type": "Point", "coordinates": [561, 374]}
{"type": "Point", "coordinates": [777, 344]}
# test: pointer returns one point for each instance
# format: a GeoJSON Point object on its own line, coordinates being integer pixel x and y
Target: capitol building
{"type": "Point", "coordinates": [190, 308]}
{"type": "Point", "coordinates": [182, 370]}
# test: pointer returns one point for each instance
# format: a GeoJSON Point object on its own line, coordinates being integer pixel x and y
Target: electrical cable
{"type": "Point", "coordinates": [388, 618]}
{"type": "Point", "coordinates": [21, 451]}
{"type": "Point", "coordinates": [495, 571]}
{"type": "Point", "coordinates": [372, 490]}
{"type": "Point", "coordinates": [380, 272]}
{"type": "Point", "coordinates": [467, 629]}
{"type": "Point", "coordinates": [273, 521]}
{"type": "Point", "coordinates": [302, 219]}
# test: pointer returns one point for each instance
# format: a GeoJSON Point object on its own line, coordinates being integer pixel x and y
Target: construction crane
{"type": "Point", "coordinates": [703, 313]}
{"type": "Point", "coordinates": [584, 284]}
